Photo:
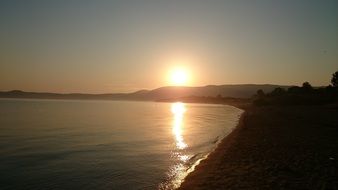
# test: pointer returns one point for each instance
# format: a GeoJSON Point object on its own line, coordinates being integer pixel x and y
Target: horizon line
{"type": "Point", "coordinates": [169, 86]}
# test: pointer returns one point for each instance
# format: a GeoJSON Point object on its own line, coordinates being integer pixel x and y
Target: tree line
{"type": "Point", "coordinates": [299, 95]}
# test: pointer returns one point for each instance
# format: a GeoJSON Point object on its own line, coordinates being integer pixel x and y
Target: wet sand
{"type": "Point", "coordinates": [291, 147]}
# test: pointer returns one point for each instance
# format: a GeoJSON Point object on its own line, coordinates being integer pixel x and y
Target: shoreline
{"type": "Point", "coordinates": [199, 161]}
{"type": "Point", "coordinates": [274, 147]}
{"type": "Point", "coordinates": [223, 144]}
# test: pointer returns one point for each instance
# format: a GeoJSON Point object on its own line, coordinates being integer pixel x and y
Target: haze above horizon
{"type": "Point", "coordinates": [124, 46]}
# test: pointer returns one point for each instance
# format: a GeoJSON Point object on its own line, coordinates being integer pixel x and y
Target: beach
{"type": "Point", "coordinates": [274, 147]}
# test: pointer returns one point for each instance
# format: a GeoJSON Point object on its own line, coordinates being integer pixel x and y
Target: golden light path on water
{"type": "Point", "coordinates": [184, 158]}
{"type": "Point", "coordinates": [178, 109]}
{"type": "Point", "coordinates": [179, 170]}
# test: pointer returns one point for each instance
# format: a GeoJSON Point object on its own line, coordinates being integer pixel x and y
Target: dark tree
{"type": "Point", "coordinates": [260, 93]}
{"type": "Point", "coordinates": [278, 91]}
{"type": "Point", "coordinates": [294, 89]}
{"type": "Point", "coordinates": [334, 80]}
{"type": "Point", "coordinates": [307, 87]}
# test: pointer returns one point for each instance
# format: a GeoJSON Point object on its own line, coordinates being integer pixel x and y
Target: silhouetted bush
{"type": "Point", "coordinates": [260, 93]}
{"type": "Point", "coordinates": [294, 89]}
{"type": "Point", "coordinates": [278, 92]}
{"type": "Point", "coordinates": [334, 80]}
{"type": "Point", "coordinates": [306, 87]}
{"type": "Point", "coordinates": [295, 95]}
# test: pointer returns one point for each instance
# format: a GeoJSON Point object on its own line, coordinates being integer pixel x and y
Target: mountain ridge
{"type": "Point", "coordinates": [165, 92]}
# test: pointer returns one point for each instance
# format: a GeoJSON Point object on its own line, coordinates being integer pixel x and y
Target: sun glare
{"type": "Point", "coordinates": [179, 77]}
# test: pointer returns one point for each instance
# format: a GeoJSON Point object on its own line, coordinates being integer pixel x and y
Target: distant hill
{"type": "Point", "coordinates": [169, 92]}
{"type": "Point", "coordinates": [235, 91]}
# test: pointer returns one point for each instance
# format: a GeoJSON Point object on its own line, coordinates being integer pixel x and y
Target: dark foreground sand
{"type": "Point", "coordinates": [290, 147]}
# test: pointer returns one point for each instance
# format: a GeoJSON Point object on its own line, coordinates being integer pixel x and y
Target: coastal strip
{"type": "Point", "coordinates": [274, 147]}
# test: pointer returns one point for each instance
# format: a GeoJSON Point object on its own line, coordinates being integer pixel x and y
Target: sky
{"type": "Point", "coordinates": [127, 45]}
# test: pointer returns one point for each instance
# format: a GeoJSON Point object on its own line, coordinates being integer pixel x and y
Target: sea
{"type": "Point", "coordinates": [119, 145]}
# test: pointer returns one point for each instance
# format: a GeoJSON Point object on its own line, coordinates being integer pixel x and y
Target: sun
{"type": "Point", "coordinates": [179, 77]}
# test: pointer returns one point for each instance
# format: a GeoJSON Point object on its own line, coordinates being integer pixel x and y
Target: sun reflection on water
{"type": "Point", "coordinates": [178, 171]}
{"type": "Point", "coordinates": [183, 155]}
{"type": "Point", "coordinates": [178, 109]}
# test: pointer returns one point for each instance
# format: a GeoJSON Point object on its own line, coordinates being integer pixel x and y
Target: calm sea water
{"type": "Point", "coordinates": [66, 144]}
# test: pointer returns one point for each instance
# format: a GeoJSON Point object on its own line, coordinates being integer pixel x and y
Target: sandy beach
{"type": "Point", "coordinates": [274, 147]}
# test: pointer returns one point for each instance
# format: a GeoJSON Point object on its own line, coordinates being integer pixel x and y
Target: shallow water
{"type": "Point", "coordinates": [70, 144]}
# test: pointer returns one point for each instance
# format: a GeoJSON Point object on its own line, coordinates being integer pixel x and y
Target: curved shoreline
{"type": "Point", "coordinates": [178, 182]}
{"type": "Point", "coordinates": [205, 158]}
{"type": "Point", "coordinates": [212, 157]}
{"type": "Point", "coordinates": [274, 147]}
